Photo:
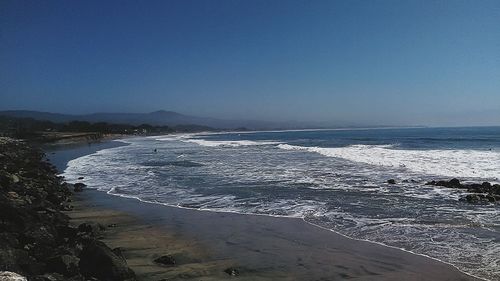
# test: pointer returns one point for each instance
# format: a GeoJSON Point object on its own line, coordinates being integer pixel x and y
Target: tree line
{"type": "Point", "coordinates": [29, 127]}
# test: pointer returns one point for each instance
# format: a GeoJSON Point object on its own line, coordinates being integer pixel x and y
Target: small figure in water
{"type": "Point", "coordinates": [155, 150]}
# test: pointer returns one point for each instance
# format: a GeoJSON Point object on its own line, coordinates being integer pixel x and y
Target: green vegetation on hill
{"type": "Point", "coordinates": [29, 128]}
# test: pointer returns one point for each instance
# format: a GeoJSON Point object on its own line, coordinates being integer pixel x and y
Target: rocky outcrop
{"type": "Point", "coordinates": [36, 238]}
{"type": "Point", "coordinates": [99, 261]}
{"type": "Point", "coordinates": [480, 192]}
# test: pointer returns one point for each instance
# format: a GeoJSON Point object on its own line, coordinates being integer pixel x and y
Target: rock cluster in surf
{"type": "Point", "coordinates": [479, 192]}
{"type": "Point", "coordinates": [36, 238]}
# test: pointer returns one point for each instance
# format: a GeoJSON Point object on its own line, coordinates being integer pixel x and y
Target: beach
{"type": "Point", "coordinates": [206, 244]}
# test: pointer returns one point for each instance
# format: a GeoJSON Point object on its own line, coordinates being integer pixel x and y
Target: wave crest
{"type": "Point", "coordinates": [237, 143]}
{"type": "Point", "coordinates": [448, 163]}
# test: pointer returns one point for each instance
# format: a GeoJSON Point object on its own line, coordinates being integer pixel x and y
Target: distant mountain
{"type": "Point", "coordinates": [156, 118]}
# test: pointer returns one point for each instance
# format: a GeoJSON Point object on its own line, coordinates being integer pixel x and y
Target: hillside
{"type": "Point", "coordinates": [156, 118]}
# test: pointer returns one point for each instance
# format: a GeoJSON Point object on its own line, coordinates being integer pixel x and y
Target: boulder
{"type": "Point", "coordinates": [472, 198]}
{"type": "Point", "coordinates": [8, 239]}
{"type": "Point", "coordinates": [454, 183]}
{"type": "Point", "coordinates": [99, 261]}
{"type": "Point", "coordinates": [486, 185]}
{"type": "Point", "coordinates": [67, 231]}
{"type": "Point", "coordinates": [232, 271]}
{"type": "Point", "coordinates": [11, 276]}
{"type": "Point", "coordinates": [66, 265]}
{"type": "Point", "coordinates": [495, 189]}
{"type": "Point", "coordinates": [12, 259]}
{"type": "Point", "coordinates": [65, 207]}
{"type": "Point", "coordinates": [490, 198]}
{"type": "Point", "coordinates": [43, 234]}
{"type": "Point", "coordinates": [14, 178]}
{"type": "Point", "coordinates": [78, 187]}
{"type": "Point", "coordinates": [119, 252]}
{"type": "Point", "coordinates": [92, 229]}
{"type": "Point", "coordinates": [165, 260]}
{"type": "Point", "coordinates": [480, 198]}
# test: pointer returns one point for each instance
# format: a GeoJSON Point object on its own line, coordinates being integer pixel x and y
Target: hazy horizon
{"type": "Point", "coordinates": [432, 63]}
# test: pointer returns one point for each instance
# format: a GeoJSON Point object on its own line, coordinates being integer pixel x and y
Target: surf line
{"type": "Point", "coordinates": [110, 192]}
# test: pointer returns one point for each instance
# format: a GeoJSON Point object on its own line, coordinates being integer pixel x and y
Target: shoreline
{"type": "Point", "coordinates": [427, 262]}
{"type": "Point", "coordinates": [334, 232]}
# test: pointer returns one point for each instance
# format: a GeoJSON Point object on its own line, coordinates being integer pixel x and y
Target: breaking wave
{"type": "Point", "coordinates": [229, 143]}
{"type": "Point", "coordinates": [483, 164]}
{"type": "Point", "coordinates": [340, 188]}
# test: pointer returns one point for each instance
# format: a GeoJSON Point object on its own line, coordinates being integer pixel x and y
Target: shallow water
{"type": "Point", "coordinates": [335, 179]}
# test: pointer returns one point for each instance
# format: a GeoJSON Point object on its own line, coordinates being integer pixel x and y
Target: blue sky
{"type": "Point", "coordinates": [363, 62]}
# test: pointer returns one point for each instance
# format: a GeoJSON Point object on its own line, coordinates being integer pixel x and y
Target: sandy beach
{"type": "Point", "coordinates": [205, 244]}
{"type": "Point", "coordinates": [249, 140]}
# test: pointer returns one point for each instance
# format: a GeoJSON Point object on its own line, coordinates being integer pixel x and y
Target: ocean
{"type": "Point", "coordinates": [335, 179]}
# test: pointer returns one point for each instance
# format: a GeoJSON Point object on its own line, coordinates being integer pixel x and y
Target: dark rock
{"type": "Point", "coordinates": [49, 277]}
{"type": "Point", "coordinates": [66, 207]}
{"type": "Point", "coordinates": [64, 264]}
{"type": "Point", "coordinates": [9, 239]}
{"type": "Point", "coordinates": [472, 198]}
{"type": "Point", "coordinates": [165, 260]}
{"type": "Point", "coordinates": [44, 234]}
{"type": "Point", "coordinates": [480, 198]}
{"type": "Point", "coordinates": [454, 183]}
{"type": "Point", "coordinates": [391, 181]}
{"type": "Point", "coordinates": [36, 239]}
{"type": "Point", "coordinates": [486, 185]}
{"type": "Point", "coordinates": [490, 198]}
{"type": "Point", "coordinates": [119, 252]}
{"type": "Point", "coordinates": [93, 229]}
{"type": "Point", "coordinates": [78, 187]}
{"type": "Point", "coordinates": [12, 259]}
{"type": "Point", "coordinates": [495, 189]}
{"type": "Point", "coordinates": [482, 192]}
{"type": "Point", "coordinates": [232, 271]}
{"type": "Point", "coordinates": [98, 260]}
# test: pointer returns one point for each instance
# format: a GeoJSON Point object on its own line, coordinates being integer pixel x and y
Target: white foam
{"type": "Point", "coordinates": [237, 143]}
{"type": "Point", "coordinates": [173, 137]}
{"type": "Point", "coordinates": [448, 163]}
{"type": "Point", "coordinates": [154, 185]}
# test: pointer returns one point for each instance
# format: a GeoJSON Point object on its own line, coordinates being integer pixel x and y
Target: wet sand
{"type": "Point", "coordinates": [260, 247]}
{"type": "Point", "coordinates": [204, 244]}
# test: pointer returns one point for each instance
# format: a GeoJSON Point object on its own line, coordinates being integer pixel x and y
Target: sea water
{"type": "Point", "coordinates": [336, 179]}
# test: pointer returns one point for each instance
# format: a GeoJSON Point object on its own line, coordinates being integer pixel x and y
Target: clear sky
{"type": "Point", "coordinates": [366, 62]}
